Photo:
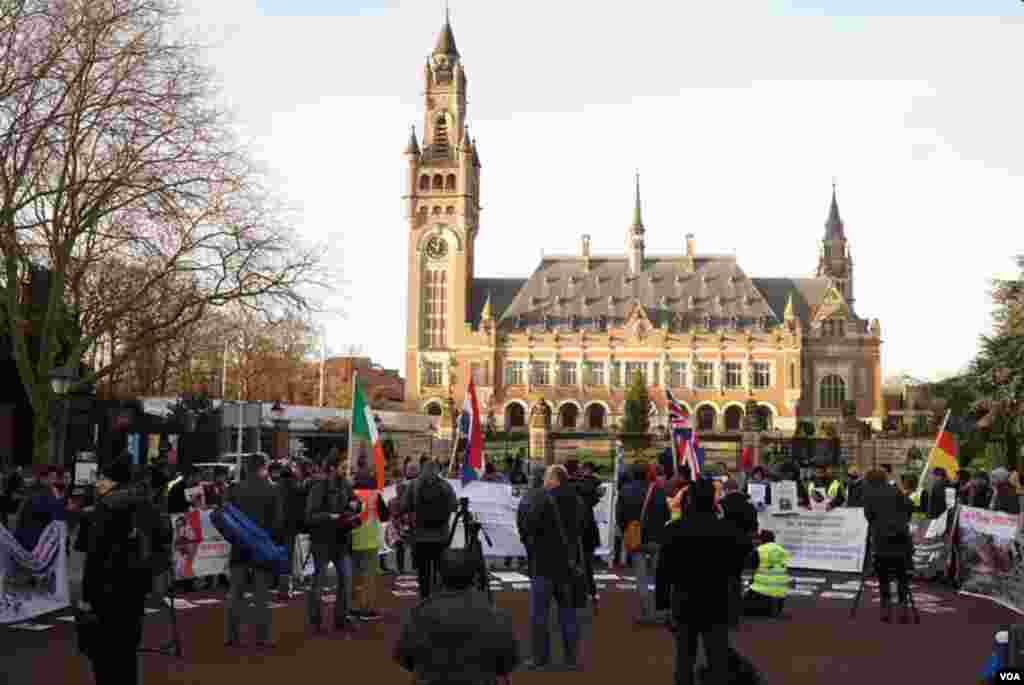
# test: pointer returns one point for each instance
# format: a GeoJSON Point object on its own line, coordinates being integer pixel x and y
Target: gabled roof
{"type": "Point", "coordinates": [561, 288]}
{"type": "Point", "coordinates": [808, 294]}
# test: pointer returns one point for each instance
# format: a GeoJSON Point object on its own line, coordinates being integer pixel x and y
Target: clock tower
{"type": "Point", "coordinates": [442, 211]}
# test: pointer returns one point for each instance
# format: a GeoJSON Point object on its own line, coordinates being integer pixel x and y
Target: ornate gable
{"type": "Point", "coordinates": [638, 324]}
{"type": "Point", "coordinates": [832, 305]}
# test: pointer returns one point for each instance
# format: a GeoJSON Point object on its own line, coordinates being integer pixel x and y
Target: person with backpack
{"type": "Point", "coordinates": [126, 544]}
{"type": "Point", "coordinates": [332, 513]}
{"type": "Point", "coordinates": [432, 500]}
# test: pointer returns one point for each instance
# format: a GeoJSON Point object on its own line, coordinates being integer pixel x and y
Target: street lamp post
{"type": "Point", "coordinates": [279, 450]}
{"type": "Point", "coordinates": [61, 379]}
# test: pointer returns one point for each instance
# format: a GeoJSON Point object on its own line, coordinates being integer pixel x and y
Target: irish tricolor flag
{"type": "Point", "coordinates": [364, 426]}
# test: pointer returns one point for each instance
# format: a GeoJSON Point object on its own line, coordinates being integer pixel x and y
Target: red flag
{"type": "Point", "coordinates": [746, 459]}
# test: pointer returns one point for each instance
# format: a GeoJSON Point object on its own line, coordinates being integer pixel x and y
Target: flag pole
{"type": "Point", "coordinates": [928, 459]}
{"type": "Point", "coordinates": [352, 423]}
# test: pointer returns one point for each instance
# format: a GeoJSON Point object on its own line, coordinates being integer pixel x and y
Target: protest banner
{"type": "Point", "coordinates": [823, 541]}
{"type": "Point", "coordinates": [199, 548]}
{"type": "Point", "coordinates": [495, 505]}
{"type": "Point", "coordinates": [933, 544]}
{"type": "Point", "coordinates": [33, 582]}
{"type": "Point", "coordinates": [991, 557]}
{"type": "Point", "coordinates": [784, 497]}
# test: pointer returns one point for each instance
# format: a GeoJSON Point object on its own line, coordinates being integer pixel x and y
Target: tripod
{"type": "Point", "coordinates": [170, 647]}
{"type": "Point", "coordinates": [472, 530]}
{"type": "Point", "coordinates": [870, 570]}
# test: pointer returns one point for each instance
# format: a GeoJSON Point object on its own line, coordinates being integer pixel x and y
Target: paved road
{"type": "Point", "coordinates": [815, 641]}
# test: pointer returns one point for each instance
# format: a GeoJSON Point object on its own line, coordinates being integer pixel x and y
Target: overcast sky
{"type": "Point", "coordinates": [738, 115]}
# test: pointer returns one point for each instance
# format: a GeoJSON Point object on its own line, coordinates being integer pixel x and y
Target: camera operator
{"type": "Point", "coordinates": [590, 490]}
{"type": "Point", "coordinates": [456, 636]}
{"type": "Point", "coordinates": [126, 544]}
{"type": "Point", "coordinates": [432, 499]}
{"type": "Point", "coordinates": [888, 512]}
{"type": "Point", "coordinates": [332, 512]}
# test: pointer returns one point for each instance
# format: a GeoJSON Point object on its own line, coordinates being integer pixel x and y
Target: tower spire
{"type": "Point", "coordinates": [446, 39]}
{"type": "Point", "coordinates": [637, 219]}
{"type": "Point", "coordinates": [834, 223]}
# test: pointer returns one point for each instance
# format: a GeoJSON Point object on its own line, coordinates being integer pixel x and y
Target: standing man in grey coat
{"type": "Point", "coordinates": [261, 501]}
{"type": "Point", "coordinates": [432, 499]}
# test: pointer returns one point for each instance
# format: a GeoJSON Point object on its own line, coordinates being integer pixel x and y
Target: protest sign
{"type": "Point", "coordinates": [199, 548]}
{"type": "Point", "coordinates": [933, 542]}
{"type": "Point", "coordinates": [784, 500]}
{"type": "Point", "coordinates": [991, 563]}
{"type": "Point", "coordinates": [758, 494]}
{"type": "Point", "coordinates": [826, 541]}
{"type": "Point", "coordinates": [33, 582]}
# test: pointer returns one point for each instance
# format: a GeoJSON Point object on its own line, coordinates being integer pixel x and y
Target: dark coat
{"type": "Point", "coordinates": [457, 638]}
{"type": "Point", "coordinates": [527, 502]}
{"type": "Point", "coordinates": [933, 499]}
{"type": "Point", "coordinates": [409, 503]}
{"type": "Point", "coordinates": [888, 512]}
{"type": "Point", "coordinates": [108, 541]}
{"type": "Point", "coordinates": [701, 560]}
{"type": "Point", "coordinates": [589, 491]}
{"type": "Point", "coordinates": [855, 493]}
{"type": "Point", "coordinates": [549, 557]}
{"type": "Point", "coordinates": [631, 504]}
{"type": "Point", "coordinates": [326, 498]}
{"type": "Point", "coordinates": [737, 508]}
{"type": "Point", "coordinates": [262, 503]}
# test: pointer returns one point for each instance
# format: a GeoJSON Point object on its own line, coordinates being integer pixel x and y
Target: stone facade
{"type": "Point", "coordinates": [582, 325]}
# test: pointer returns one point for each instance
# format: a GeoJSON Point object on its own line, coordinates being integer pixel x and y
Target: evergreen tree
{"type": "Point", "coordinates": [636, 420]}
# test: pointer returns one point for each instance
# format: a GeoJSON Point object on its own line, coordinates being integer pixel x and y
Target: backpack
{"type": "Point", "coordinates": [148, 545]}
{"type": "Point", "coordinates": [431, 503]}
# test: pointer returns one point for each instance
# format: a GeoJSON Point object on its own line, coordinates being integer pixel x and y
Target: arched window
{"type": "Point", "coordinates": [449, 210]}
{"type": "Point", "coordinates": [433, 409]}
{"type": "Point", "coordinates": [765, 414]}
{"type": "Point", "coordinates": [424, 182]}
{"type": "Point", "coordinates": [438, 182]}
{"type": "Point", "coordinates": [706, 418]}
{"type": "Point", "coordinates": [449, 184]}
{"type": "Point", "coordinates": [595, 417]}
{"type": "Point", "coordinates": [568, 415]}
{"type": "Point", "coordinates": [515, 417]}
{"type": "Point", "coordinates": [832, 392]}
{"type": "Point", "coordinates": [733, 418]}
{"type": "Point", "coordinates": [437, 210]}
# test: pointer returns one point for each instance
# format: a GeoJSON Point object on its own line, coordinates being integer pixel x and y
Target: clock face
{"type": "Point", "coordinates": [436, 247]}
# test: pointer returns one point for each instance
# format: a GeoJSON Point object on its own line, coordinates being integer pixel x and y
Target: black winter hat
{"type": "Point", "coordinates": [119, 471]}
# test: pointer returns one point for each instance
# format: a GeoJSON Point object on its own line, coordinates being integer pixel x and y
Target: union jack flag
{"type": "Point", "coordinates": [684, 437]}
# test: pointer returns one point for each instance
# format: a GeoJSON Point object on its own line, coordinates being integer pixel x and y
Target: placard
{"type": "Point", "coordinates": [826, 541]}
{"type": "Point", "coordinates": [758, 494]}
{"type": "Point", "coordinates": [784, 498]}
{"type": "Point", "coordinates": [991, 557]}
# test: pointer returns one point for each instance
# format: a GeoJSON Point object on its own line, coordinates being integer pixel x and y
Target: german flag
{"type": "Point", "coordinates": [943, 455]}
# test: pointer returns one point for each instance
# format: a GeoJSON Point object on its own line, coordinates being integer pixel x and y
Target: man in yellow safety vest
{"type": "Point", "coordinates": [365, 547]}
{"type": "Point", "coordinates": [767, 592]}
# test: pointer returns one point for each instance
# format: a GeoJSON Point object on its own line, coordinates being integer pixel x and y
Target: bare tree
{"type": "Point", "coordinates": [120, 174]}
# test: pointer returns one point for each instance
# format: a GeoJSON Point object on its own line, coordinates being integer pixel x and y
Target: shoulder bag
{"type": "Point", "coordinates": [632, 536]}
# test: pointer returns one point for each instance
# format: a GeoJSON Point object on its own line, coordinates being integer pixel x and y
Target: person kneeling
{"type": "Point", "coordinates": [767, 593]}
{"type": "Point", "coordinates": [456, 635]}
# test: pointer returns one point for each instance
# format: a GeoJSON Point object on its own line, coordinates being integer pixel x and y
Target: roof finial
{"type": "Point", "coordinates": [447, 14]}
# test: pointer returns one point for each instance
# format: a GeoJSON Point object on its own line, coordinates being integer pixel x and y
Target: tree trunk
{"type": "Point", "coordinates": [41, 432]}
{"type": "Point", "coordinates": [1012, 450]}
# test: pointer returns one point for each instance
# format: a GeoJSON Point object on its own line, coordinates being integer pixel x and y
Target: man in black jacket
{"type": "Point", "coordinates": [526, 504]}
{"type": "Point", "coordinates": [262, 503]}
{"type": "Point", "coordinates": [888, 512]}
{"type": "Point", "coordinates": [554, 526]}
{"type": "Point", "coordinates": [332, 514]}
{"type": "Point", "coordinates": [700, 592]}
{"type": "Point", "coordinates": [432, 499]}
{"type": "Point", "coordinates": [119, 541]}
{"type": "Point", "coordinates": [456, 636]}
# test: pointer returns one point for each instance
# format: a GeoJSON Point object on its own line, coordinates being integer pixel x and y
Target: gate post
{"type": "Point", "coordinates": [541, 448]}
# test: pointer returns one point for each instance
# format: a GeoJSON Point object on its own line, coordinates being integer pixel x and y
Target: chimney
{"type": "Point", "coordinates": [585, 245]}
{"type": "Point", "coordinates": [689, 245]}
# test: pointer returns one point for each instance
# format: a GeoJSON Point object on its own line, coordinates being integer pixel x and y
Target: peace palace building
{"type": "Point", "coordinates": [581, 326]}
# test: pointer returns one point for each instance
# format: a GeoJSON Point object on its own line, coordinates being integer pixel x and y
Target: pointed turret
{"type": "Point", "coordinates": [446, 41]}
{"type": "Point", "coordinates": [487, 314]}
{"type": "Point", "coordinates": [476, 155]}
{"type": "Point", "coordinates": [790, 312]}
{"type": "Point", "coordinates": [834, 224]}
{"type": "Point", "coordinates": [413, 148]}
